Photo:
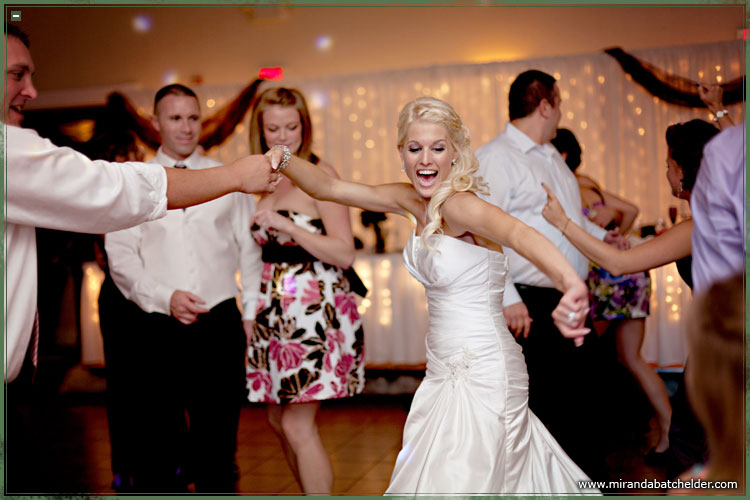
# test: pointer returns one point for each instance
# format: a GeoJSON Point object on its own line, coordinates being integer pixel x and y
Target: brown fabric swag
{"type": "Point", "coordinates": [673, 89]}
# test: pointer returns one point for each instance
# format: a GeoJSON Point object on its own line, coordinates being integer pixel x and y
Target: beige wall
{"type": "Point", "coordinates": [78, 47]}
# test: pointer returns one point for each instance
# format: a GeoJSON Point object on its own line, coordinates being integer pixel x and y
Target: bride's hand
{"type": "Point", "coordinates": [553, 211]}
{"type": "Point", "coordinates": [570, 314]}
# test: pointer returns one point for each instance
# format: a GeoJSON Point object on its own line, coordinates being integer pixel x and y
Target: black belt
{"type": "Point", "coordinates": [295, 254]}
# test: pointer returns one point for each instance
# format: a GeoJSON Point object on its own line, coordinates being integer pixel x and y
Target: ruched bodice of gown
{"type": "Point", "coordinates": [464, 284]}
{"type": "Point", "coordinates": [469, 429]}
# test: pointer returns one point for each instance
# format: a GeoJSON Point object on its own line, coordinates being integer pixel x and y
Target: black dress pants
{"type": "Point", "coordinates": [213, 370]}
{"type": "Point", "coordinates": [191, 387]}
{"type": "Point", "coordinates": [565, 389]}
{"type": "Point", "coordinates": [122, 323]}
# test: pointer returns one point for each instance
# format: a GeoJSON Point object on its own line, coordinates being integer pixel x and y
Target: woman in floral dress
{"type": "Point", "coordinates": [306, 343]}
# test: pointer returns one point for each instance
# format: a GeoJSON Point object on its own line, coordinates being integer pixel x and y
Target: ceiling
{"type": "Point", "coordinates": [81, 46]}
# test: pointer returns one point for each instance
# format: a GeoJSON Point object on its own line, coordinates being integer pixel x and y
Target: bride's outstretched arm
{"type": "Point", "coordinates": [398, 198]}
{"type": "Point", "coordinates": [464, 212]}
{"type": "Point", "coordinates": [669, 246]}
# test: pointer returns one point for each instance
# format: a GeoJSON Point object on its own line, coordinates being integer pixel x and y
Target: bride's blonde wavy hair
{"type": "Point", "coordinates": [461, 177]}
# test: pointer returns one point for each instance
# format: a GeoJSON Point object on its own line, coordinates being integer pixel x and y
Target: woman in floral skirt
{"type": "Point", "coordinates": [306, 343]}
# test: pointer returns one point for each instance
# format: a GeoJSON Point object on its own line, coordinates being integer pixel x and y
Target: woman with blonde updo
{"type": "Point", "coordinates": [469, 429]}
{"type": "Point", "coordinates": [306, 344]}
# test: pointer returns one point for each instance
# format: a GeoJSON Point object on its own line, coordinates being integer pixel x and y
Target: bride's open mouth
{"type": "Point", "coordinates": [426, 177]}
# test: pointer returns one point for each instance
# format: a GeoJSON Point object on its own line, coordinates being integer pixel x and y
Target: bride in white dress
{"type": "Point", "coordinates": [469, 429]}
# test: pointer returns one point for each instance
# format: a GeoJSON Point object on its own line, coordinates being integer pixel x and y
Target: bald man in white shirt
{"type": "Point", "coordinates": [181, 270]}
{"type": "Point", "coordinates": [515, 164]}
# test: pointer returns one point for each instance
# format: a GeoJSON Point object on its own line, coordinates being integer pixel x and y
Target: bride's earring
{"type": "Point", "coordinates": [453, 163]}
{"type": "Point", "coordinates": [403, 166]}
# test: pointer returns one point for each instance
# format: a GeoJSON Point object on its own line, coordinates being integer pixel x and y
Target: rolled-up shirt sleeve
{"type": "Point", "coordinates": [60, 188]}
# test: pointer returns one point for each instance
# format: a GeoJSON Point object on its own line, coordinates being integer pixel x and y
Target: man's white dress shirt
{"type": "Point", "coordinates": [514, 166]}
{"type": "Point", "coordinates": [59, 188]}
{"type": "Point", "coordinates": [198, 250]}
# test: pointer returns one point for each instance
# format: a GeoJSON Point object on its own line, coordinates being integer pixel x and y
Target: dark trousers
{"type": "Point", "coordinates": [213, 374]}
{"type": "Point", "coordinates": [564, 382]}
{"type": "Point", "coordinates": [186, 390]}
{"type": "Point", "coordinates": [122, 323]}
{"type": "Point", "coordinates": [687, 439]}
{"type": "Point", "coordinates": [21, 450]}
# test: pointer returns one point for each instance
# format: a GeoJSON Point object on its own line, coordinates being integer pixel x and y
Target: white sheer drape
{"type": "Point", "coordinates": [619, 124]}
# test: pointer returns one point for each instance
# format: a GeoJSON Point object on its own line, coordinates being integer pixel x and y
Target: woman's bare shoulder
{"type": "Point", "coordinates": [460, 202]}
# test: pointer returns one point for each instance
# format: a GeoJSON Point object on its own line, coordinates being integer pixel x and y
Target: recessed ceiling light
{"type": "Point", "coordinates": [142, 23]}
{"type": "Point", "coordinates": [169, 77]}
{"type": "Point", "coordinates": [323, 42]}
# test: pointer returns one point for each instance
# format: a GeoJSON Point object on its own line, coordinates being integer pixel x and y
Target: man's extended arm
{"type": "Point", "coordinates": [60, 188]}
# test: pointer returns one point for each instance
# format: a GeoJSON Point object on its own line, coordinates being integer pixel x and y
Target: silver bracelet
{"type": "Point", "coordinates": [284, 159]}
{"type": "Point", "coordinates": [719, 114]}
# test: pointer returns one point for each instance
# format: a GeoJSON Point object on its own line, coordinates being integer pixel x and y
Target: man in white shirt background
{"type": "Point", "coordinates": [59, 188]}
{"type": "Point", "coordinates": [515, 164]}
{"type": "Point", "coordinates": [181, 269]}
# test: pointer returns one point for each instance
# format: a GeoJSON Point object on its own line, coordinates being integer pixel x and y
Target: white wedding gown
{"type": "Point", "coordinates": [470, 429]}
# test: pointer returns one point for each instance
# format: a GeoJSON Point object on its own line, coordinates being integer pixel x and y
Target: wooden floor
{"type": "Point", "coordinates": [362, 436]}
{"type": "Point", "coordinates": [362, 439]}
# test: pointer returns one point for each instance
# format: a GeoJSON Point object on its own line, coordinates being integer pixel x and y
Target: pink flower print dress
{"type": "Point", "coordinates": [308, 342]}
